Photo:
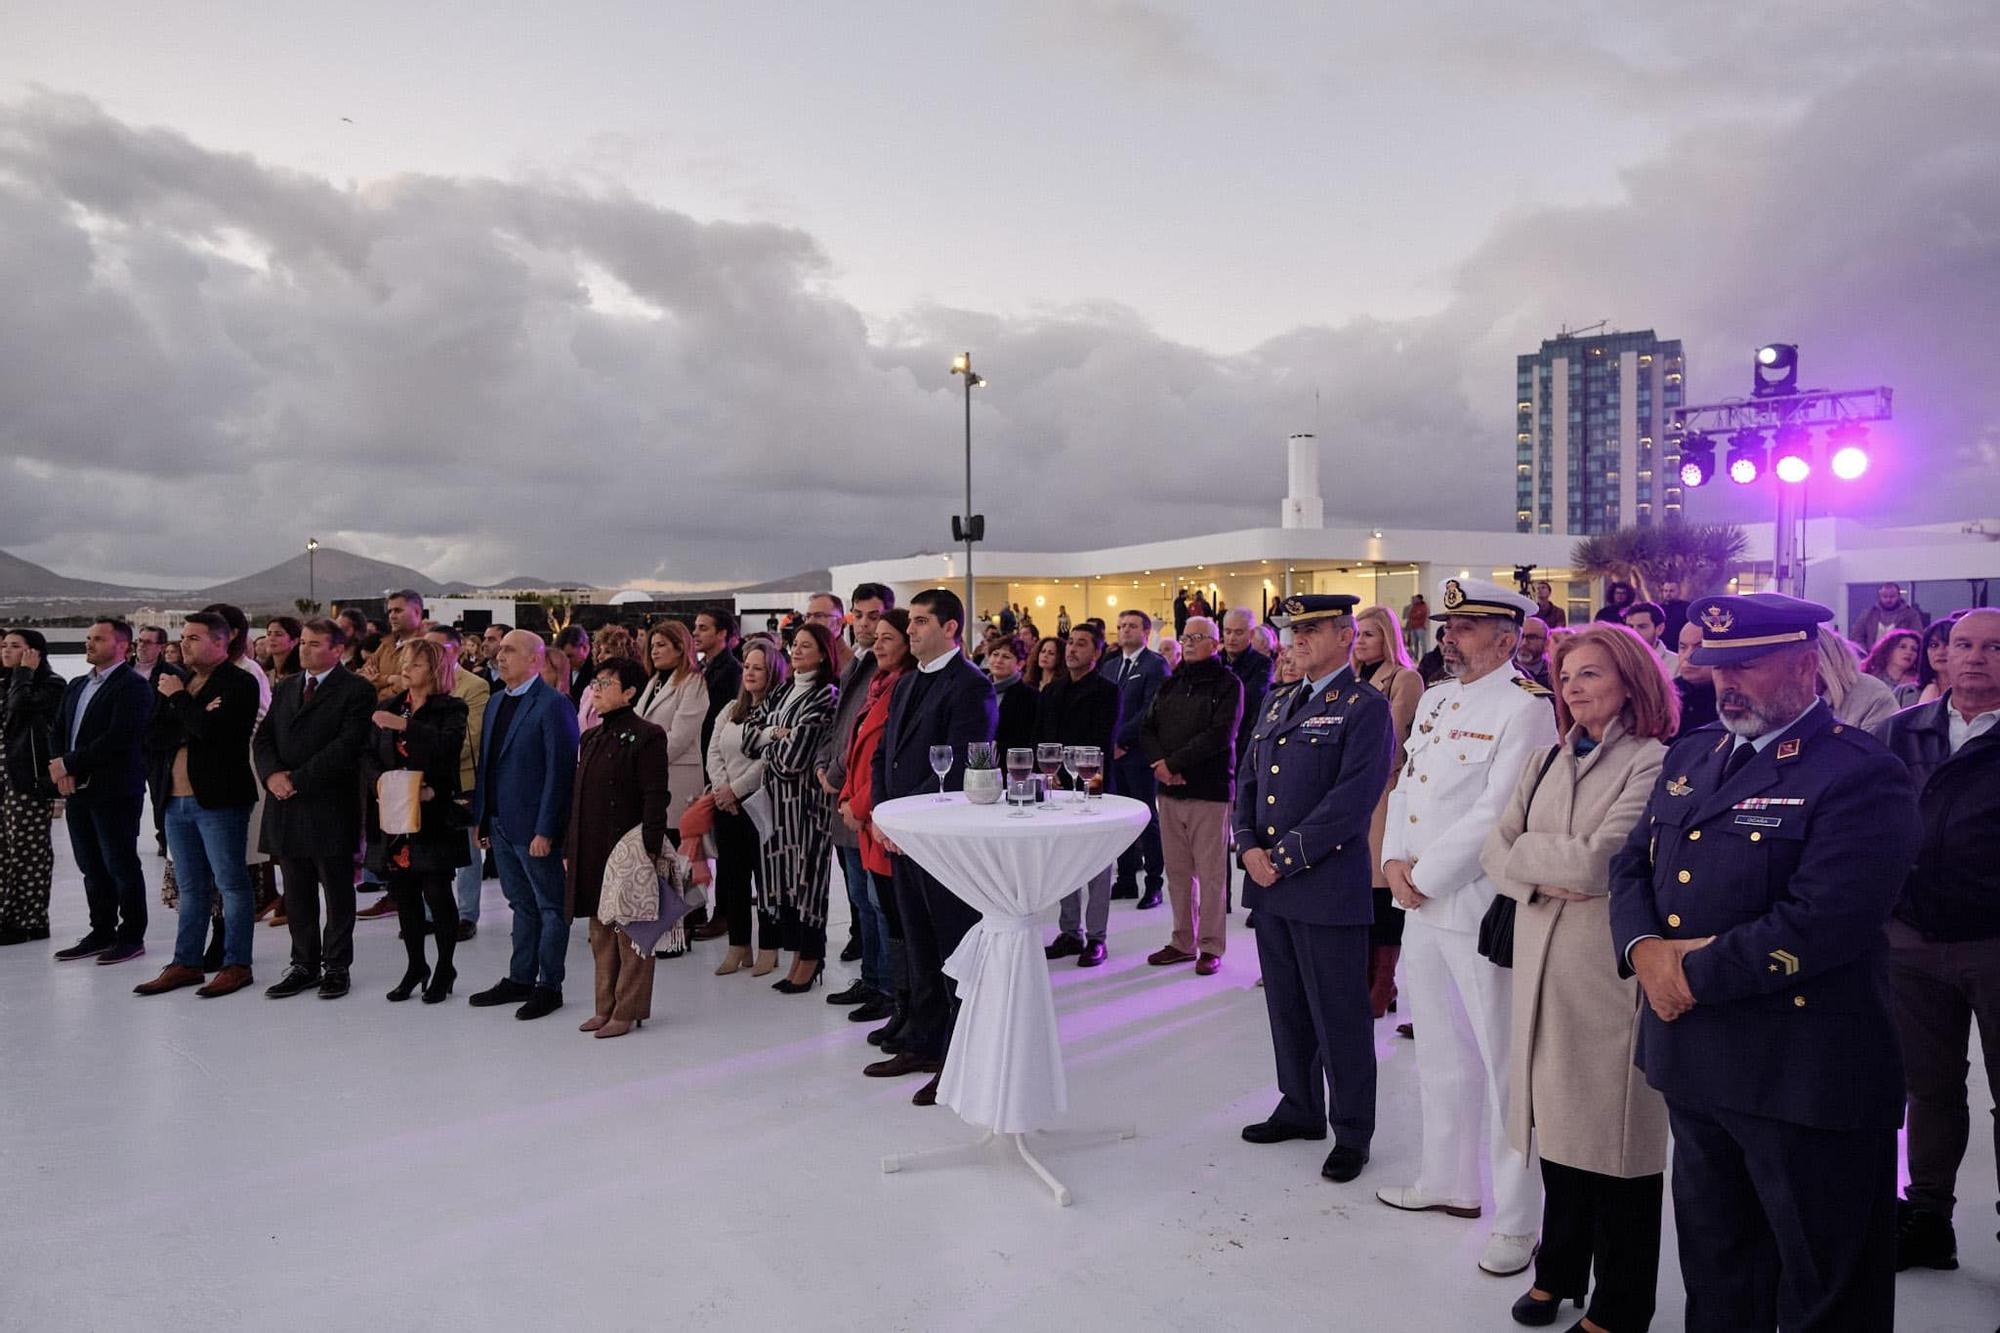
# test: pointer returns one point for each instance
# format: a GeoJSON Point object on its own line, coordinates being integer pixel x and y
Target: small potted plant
{"type": "Point", "coordinates": [983, 782]}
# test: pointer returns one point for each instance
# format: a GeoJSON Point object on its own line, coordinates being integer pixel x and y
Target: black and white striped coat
{"type": "Point", "coordinates": [799, 854]}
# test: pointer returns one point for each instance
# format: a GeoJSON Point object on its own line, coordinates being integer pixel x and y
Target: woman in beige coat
{"type": "Point", "coordinates": [1381, 660]}
{"type": "Point", "coordinates": [1573, 1093]}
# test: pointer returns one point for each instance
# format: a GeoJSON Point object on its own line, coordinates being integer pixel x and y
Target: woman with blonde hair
{"type": "Point", "coordinates": [1856, 699]}
{"type": "Point", "coordinates": [1574, 1095]}
{"type": "Point", "coordinates": [1381, 660]}
{"type": "Point", "coordinates": [676, 701]}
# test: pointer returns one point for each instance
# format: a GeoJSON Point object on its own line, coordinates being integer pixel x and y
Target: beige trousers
{"type": "Point", "coordinates": [624, 979]}
{"type": "Point", "coordinates": [1194, 844]}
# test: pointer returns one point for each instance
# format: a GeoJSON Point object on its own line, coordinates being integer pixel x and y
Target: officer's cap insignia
{"type": "Point", "coordinates": [1295, 606]}
{"type": "Point", "coordinates": [1718, 619]}
{"type": "Point", "coordinates": [1788, 749]}
{"type": "Point", "coordinates": [1679, 786]}
{"type": "Point", "coordinates": [1788, 961]}
{"type": "Point", "coordinates": [1454, 596]}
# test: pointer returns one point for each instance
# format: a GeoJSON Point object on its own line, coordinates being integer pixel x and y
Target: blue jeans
{"type": "Point", "coordinates": [868, 920]}
{"type": "Point", "coordinates": [467, 886]}
{"type": "Point", "coordinates": [208, 847]}
{"type": "Point", "coordinates": [534, 889]}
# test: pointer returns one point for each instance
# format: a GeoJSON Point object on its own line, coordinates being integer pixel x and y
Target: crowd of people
{"type": "Point", "coordinates": [1694, 870]}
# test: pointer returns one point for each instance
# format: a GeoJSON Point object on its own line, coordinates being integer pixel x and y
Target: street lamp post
{"type": "Point", "coordinates": [973, 526]}
{"type": "Point", "coordinates": [312, 581]}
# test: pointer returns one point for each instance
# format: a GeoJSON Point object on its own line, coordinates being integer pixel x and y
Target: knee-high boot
{"type": "Point", "coordinates": [445, 929]}
{"type": "Point", "coordinates": [410, 914]}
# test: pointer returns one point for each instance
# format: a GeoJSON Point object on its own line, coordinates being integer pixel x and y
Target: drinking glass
{"type": "Point", "coordinates": [1089, 765]}
{"type": "Point", "coordinates": [1020, 763]}
{"type": "Point", "coordinates": [1049, 759]}
{"type": "Point", "coordinates": [1021, 795]}
{"type": "Point", "coordinates": [941, 757]}
{"type": "Point", "coordinates": [1069, 753]}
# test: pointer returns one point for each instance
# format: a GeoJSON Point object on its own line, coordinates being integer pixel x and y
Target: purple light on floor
{"type": "Point", "coordinates": [1849, 463]}
{"type": "Point", "coordinates": [1793, 468]}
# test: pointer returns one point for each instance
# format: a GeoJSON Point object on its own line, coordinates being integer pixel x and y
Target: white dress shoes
{"type": "Point", "coordinates": [1412, 1200]}
{"type": "Point", "coordinates": [1507, 1255]}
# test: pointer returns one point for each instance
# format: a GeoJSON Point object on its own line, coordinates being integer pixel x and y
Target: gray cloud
{"type": "Point", "coordinates": [207, 357]}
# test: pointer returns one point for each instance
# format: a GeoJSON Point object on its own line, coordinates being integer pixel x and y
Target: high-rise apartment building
{"type": "Point", "coordinates": [1590, 436]}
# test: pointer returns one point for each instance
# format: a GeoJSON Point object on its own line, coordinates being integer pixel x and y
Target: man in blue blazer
{"type": "Point", "coordinates": [98, 770]}
{"type": "Point", "coordinates": [1138, 672]}
{"type": "Point", "coordinates": [945, 701]}
{"type": "Point", "coordinates": [527, 767]}
{"type": "Point", "coordinates": [1319, 760]}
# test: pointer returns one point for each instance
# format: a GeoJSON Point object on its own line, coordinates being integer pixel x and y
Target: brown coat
{"type": "Point", "coordinates": [621, 781]}
{"type": "Point", "coordinates": [1403, 688]}
{"type": "Point", "coordinates": [1571, 1080]}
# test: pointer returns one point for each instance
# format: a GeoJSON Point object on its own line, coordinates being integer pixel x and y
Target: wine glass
{"type": "Point", "coordinates": [1089, 765]}
{"type": "Point", "coordinates": [941, 757]}
{"type": "Point", "coordinates": [1069, 753]}
{"type": "Point", "coordinates": [1049, 759]}
{"type": "Point", "coordinates": [1021, 795]}
{"type": "Point", "coordinates": [1020, 763]}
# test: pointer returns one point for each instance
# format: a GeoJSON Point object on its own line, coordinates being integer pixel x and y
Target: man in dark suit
{"type": "Point", "coordinates": [527, 768]}
{"type": "Point", "coordinates": [308, 756]}
{"type": "Point", "coordinates": [1319, 761]}
{"type": "Point", "coordinates": [945, 701]}
{"type": "Point", "coordinates": [1080, 707]}
{"type": "Point", "coordinates": [1751, 902]}
{"type": "Point", "coordinates": [1138, 672]}
{"type": "Point", "coordinates": [721, 669]}
{"type": "Point", "coordinates": [203, 727]}
{"type": "Point", "coordinates": [98, 770]}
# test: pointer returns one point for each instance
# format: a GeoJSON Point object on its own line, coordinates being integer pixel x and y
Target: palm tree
{"type": "Point", "coordinates": [1697, 556]}
{"type": "Point", "coordinates": [305, 606]}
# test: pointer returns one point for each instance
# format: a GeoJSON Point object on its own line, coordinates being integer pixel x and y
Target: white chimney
{"type": "Point", "coordinates": [1301, 507]}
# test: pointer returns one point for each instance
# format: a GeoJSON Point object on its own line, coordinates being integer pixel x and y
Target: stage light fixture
{"type": "Point", "coordinates": [1777, 370]}
{"type": "Point", "coordinates": [1791, 454]}
{"type": "Point", "coordinates": [1747, 456]}
{"type": "Point", "coordinates": [1697, 461]}
{"type": "Point", "coordinates": [1849, 443]}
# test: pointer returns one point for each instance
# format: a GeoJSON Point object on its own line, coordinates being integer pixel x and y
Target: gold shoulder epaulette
{"type": "Point", "coordinates": [1532, 688]}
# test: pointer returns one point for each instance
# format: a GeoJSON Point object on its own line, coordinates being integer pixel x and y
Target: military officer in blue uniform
{"type": "Point", "coordinates": [1318, 760]}
{"type": "Point", "coordinates": [1751, 903]}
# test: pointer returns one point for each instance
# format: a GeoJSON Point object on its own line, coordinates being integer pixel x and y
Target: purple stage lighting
{"type": "Point", "coordinates": [1793, 469]}
{"type": "Point", "coordinates": [1697, 461]}
{"type": "Point", "coordinates": [1850, 450]}
{"type": "Point", "coordinates": [1792, 454]}
{"type": "Point", "coordinates": [1746, 456]}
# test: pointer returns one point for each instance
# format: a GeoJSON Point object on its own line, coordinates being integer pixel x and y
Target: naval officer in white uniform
{"type": "Point", "coordinates": [1473, 735]}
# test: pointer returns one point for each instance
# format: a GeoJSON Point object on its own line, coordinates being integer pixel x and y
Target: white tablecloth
{"type": "Point", "coordinates": [1004, 1071]}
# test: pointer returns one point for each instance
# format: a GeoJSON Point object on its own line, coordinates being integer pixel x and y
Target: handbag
{"type": "Point", "coordinates": [1496, 928]}
{"type": "Point", "coordinates": [757, 805]}
{"type": "Point", "coordinates": [399, 801]}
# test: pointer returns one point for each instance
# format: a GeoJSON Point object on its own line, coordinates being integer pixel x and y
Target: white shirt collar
{"type": "Point", "coordinates": [518, 690]}
{"type": "Point", "coordinates": [1964, 729]}
{"type": "Point", "coordinates": [938, 664]}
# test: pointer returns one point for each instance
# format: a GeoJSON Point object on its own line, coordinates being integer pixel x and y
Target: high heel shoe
{"type": "Point", "coordinates": [440, 988]}
{"type": "Point", "coordinates": [407, 987]}
{"type": "Point", "coordinates": [789, 987]}
{"type": "Point", "coordinates": [1538, 1314]}
{"type": "Point", "coordinates": [734, 960]}
{"type": "Point", "coordinates": [594, 1022]}
{"type": "Point", "coordinates": [767, 963]}
{"type": "Point", "coordinates": [618, 1027]}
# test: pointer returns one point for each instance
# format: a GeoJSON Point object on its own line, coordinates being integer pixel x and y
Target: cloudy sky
{"type": "Point", "coordinates": [625, 291]}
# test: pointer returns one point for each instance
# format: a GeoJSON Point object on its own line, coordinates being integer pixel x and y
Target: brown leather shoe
{"type": "Point", "coordinates": [927, 1094]}
{"type": "Point", "coordinates": [905, 1063]}
{"type": "Point", "coordinates": [381, 907]}
{"type": "Point", "coordinates": [1168, 956]}
{"type": "Point", "coordinates": [1208, 965]}
{"type": "Point", "coordinates": [227, 982]}
{"type": "Point", "coordinates": [172, 977]}
{"type": "Point", "coordinates": [713, 930]}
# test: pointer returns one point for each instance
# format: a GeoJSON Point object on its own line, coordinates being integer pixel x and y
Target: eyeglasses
{"type": "Point", "coordinates": [1197, 638]}
{"type": "Point", "coordinates": [607, 683]}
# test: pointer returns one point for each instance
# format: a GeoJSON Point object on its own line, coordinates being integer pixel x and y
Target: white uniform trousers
{"type": "Point", "coordinates": [1460, 1005]}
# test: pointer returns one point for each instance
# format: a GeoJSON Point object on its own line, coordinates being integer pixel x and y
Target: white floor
{"type": "Point", "coordinates": [249, 1163]}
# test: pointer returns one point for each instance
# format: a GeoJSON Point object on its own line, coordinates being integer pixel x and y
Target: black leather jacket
{"type": "Point", "coordinates": [1954, 892]}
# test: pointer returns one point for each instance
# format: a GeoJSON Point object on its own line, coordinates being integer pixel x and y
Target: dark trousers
{"type": "Point", "coordinates": [1612, 1224]}
{"type": "Point", "coordinates": [1322, 1033]}
{"type": "Point", "coordinates": [534, 889]}
{"type": "Point", "coordinates": [1939, 990]}
{"type": "Point", "coordinates": [738, 864]}
{"type": "Point", "coordinates": [104, 838]}
{"type": "Point", "coordinates": [808, 942]}
{"type": "Point", "coordinates": [1132, 776]}
{"type": "Point", "coordinates": [1783, 1225]}
{"type": "Point", "coordinates": [304, 878]}
{"type": "Point", "coordinates": [934, 921]}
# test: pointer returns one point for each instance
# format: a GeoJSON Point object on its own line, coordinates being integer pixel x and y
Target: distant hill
{"type": "Point", "coordinates": [460, 589]}
{"type": "Point", "coordinates": [338, 575]}
{"type": "Point", "coordinates": [25, 578]}
{"type": "Point", "coordinates": [812, 578]}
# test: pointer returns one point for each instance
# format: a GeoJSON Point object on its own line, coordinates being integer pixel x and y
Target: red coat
{"type": "Point", "coordinates": [857, 791]}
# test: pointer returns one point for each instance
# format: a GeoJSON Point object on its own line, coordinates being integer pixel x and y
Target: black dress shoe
{"type": "Point", "coordinates": [1279, 1131]}
{"type": "Point", "coordinates": [1343, 1164]}
{"type": "Point", "coordinates": [1093, 955]}
{"type": "Point", "coordinates": [333, 985]}
{"type": "Point", "coordinates": [851, 953]}
{"type": "Point", "coordinates": [297, 981]}
{"type": "Point", "coordinates": [1063, 946]}
{"type": "Point", "coordinates": [1124, 891]}
{"type": "Point", "coordinates": [1539, 1314]}
{"type": "Point", "coordinates": [908, 1062]}
{"type": "Point", "coordinates": [121, 953]}
{"type": "Point", "coordinates": [1924, 1239]}
{"type": "Point", "coordinates": [873, 1011]}
{"type": "Point", "coordinates": [506, 991]}
{"type": "Point", "coordinates": [1150, 901]}
{"type": "Point", "coordinates": [466, 930]}
{"type": "Point", "coordinates": [88, 947]}
{"type": "Point", "coordinates": [541, 1004]}
{"type": "Point", "coordinates": [859, 993]}
{"type": "Point", "coordinates": [927, 1094]}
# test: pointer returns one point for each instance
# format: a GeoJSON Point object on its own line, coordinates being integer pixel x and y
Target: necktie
{"type": "Point", "coordinates": [1299, 698]}
{"type": "Point", "coordinates": [1738, 757]}
{"type": "Point", "coordinates": [312, 683]}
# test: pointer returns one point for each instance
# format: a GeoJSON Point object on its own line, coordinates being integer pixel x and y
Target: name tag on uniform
{"type": "Point", "coordinates": [1325, 720]}
{"type": "Point", "coordinates": [1767, 802]}
{"type": "Point", "coordinates": [1760, 821]}
{"type": "Point", "coordinates": [1458, 735]}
